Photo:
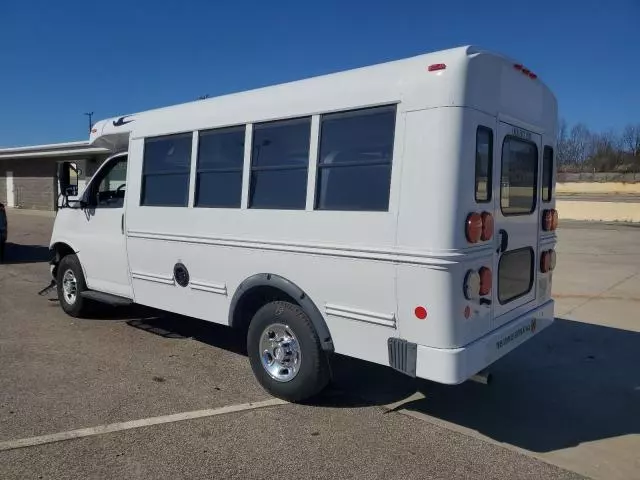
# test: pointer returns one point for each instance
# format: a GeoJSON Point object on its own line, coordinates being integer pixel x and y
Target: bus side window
{"type": "Point", "coordinates": [547, 174]}
{"type": "Point", "coordinates": [355, 159]}
{"type": "Point", "coordinates": [484, 164]}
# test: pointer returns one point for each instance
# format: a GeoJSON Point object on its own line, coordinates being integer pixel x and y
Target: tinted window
{"type": "Point", "coordinates": [547, 174]}
{"type": "Point", "coordinates": [279, 163]}
{"type": "Point", "coordinates": [518, 189]}
{"type": "Point", "coordinates": [219, 172]}
{"type": "Point", "coordinates": [484, 164]}
{"type": "Point", "coordinates": [354, 163]}
{"type": "Point", "coordinates": [515, 274]}
{"type": "Point", "coordinates": [165, 172]}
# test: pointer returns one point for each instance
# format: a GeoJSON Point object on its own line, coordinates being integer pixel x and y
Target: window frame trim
{"type": "Point", "coordinates": [489, 198]}
{"type": "Point", "coordinates": [144, 175]}
{"type": "Point", "coordinates": [319, 166]}
{"type": "Point", "coordinates": [284, 167]}
{"type": "Point", "coordinates": [532, 273]}
{"type": "Point", "coordinates": [241, 129]}
{"type": "Point", "coordinates": [534, 206]}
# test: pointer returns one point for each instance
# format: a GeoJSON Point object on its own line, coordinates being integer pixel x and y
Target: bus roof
{"type": "Point", "coordinates": [463, 76]}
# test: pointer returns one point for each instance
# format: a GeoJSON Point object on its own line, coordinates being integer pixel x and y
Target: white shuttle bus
{"type": "Point", "coordinates": [401, 213]}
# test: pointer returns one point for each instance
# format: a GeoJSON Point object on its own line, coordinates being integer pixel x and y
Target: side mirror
{"type": "Point", "coordinates": [68, 178]}
{"type": "Point", "coordinates": [64, 176]}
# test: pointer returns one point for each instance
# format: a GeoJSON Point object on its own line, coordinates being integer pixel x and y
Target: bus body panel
{"type": "Point", "coordinates": [367, 272]}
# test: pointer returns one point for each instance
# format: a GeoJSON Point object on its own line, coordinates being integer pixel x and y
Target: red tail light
{"type": "Point", "coordinates": [548, 261]}
{"type": "Point", "coordinates": [487, 226]}
{"type": "Point", "coordinates": [473, 227]}
{"type": "Point", "coordinates": [486, 279]}
{"type": "Point", "coordinates": [549, 220]}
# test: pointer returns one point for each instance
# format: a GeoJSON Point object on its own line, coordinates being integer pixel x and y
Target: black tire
{"type": "Point", "coordinates": [313, 372]}
{"type": "Point", "coordinates": [79, 306]}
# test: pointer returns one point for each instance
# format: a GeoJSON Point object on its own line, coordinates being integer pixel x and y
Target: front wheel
{"type": "Point", "coordinates": [70, 284]}
{"type": "Point", "coordinates": [285, 352]}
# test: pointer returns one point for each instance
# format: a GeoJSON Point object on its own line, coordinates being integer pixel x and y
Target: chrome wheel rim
{"type": "Point", "coordinates": [69, 287]}
{"type": "Point", "coordinates": [280, 352]}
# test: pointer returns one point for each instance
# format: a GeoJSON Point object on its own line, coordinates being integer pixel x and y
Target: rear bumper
{"type": "Point", "coordinates": [455, 365]}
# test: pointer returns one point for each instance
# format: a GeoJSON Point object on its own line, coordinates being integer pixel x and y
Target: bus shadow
{"type": "Point", "coordinates": [575, 383]}
{"type": "Point", "coordinates": [16, 253]}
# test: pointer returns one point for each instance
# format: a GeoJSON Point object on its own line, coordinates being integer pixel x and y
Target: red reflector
{"type": "Point", "coordinates": [547, 220]}
{"type": "Point", "coordinates": [545, 261]}
{"type": "Point", "coordinates": [485, 281]}
{"type": "Point", "coordinates": [473, 227]}
{"type": "Point", "coordinates": [421, 313]}
{"type": "Point", "coordinates": [436, 66]}
{"type": "Point", "coordinates": [487, 226]}
{"type": "Point", "coordinates": [467, 311]}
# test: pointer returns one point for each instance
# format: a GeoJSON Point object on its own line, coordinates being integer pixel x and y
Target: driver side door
{"type": "Point", "coordinates": [103, 251]}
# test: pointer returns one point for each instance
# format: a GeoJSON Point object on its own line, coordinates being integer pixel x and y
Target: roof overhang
{"type": "Point", "coordinates": [68, 149]}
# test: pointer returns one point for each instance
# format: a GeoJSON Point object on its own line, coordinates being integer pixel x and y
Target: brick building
{"type": "Point", "coordinates": [28, 175]}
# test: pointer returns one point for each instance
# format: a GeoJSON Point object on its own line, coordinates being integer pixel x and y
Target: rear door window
{"type": "Point", "coordinates": [519, 182]}
{"type": "Point", "coordinates": [515, 274]}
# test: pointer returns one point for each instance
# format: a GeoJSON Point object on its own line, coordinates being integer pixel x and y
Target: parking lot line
{"type": "Point", "coordinates": [145, 422]}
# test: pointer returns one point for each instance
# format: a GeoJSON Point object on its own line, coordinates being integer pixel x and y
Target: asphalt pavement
{"type": "Point", "coordinates": [564, 405]}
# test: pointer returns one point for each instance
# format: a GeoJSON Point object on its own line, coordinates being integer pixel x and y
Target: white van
{"type": "Point", "coordinates": [401, 213]}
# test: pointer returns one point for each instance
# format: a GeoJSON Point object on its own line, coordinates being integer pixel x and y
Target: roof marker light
{"type": "Point", "coordinates": [436, 66]}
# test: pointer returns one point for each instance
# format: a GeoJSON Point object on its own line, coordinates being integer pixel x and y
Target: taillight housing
{"type": "Point", "coordinates": [485, 281]}
{"type": "Point", "coordinates": [550, 220]}
{"type": "Point", "coordinates": [473, 227]}
{"type": "Point", "coordinates": [472, 285]}
{"type": "Point", "coordinates": [477, 283]}
{"type": "Point", "coordinates": [487, 226]}
{"type": "Point", "coordinates": [479, 226]}
{"type": "Point", "coordinates": [548, 261]}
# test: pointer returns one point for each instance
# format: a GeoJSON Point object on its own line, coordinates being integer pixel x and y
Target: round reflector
{"type": "Point", "coordinates": [545, 262]}
{"type": "Point", "coordinates": [487, 226]}
{"type": "Point", "coordinates": [420, 313]}
{"type": "Point", "coordinates": [485, 281]}
{"type": "Point", "coordinates": [547, 220]}
{"type": "Point", "coordinates": [473, 227]}
{"type": "Point", "coordinates": [552, 261]}
{"type": "Point", "coordinates": [472, 285]}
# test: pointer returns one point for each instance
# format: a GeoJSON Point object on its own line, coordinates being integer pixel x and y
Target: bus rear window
{"type": "Point", "coordinates": [484, 164]}
{"type": "Point", "coordinates": [547, 174]}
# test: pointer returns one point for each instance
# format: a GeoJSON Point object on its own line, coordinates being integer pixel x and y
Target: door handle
{"type": "Point", "coordinates": [504, 241]}
{"type": "Point", "coordinates": [122, 224]}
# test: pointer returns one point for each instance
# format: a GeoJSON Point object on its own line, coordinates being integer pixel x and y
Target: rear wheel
{"type": "Point", "coordinates": [70, 284]}
{"type": "Point", "coordinates": [285, 352]}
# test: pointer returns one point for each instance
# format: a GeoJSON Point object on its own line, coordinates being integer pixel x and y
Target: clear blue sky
{"type": "Point", "coordinates": [60, 59]}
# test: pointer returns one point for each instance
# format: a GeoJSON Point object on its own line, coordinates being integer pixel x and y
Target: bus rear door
{"type": "Point", "coordinates": [518, 152]}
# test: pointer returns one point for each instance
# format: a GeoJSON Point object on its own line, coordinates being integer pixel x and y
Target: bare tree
{"type": "Point", "coordinates": [562, 148]}
{"type": "Point", "coordinates": [631, 139]}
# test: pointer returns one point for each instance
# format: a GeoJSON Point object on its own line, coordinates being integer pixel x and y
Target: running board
{"type": "Point", "coordinates": [107, 298]}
